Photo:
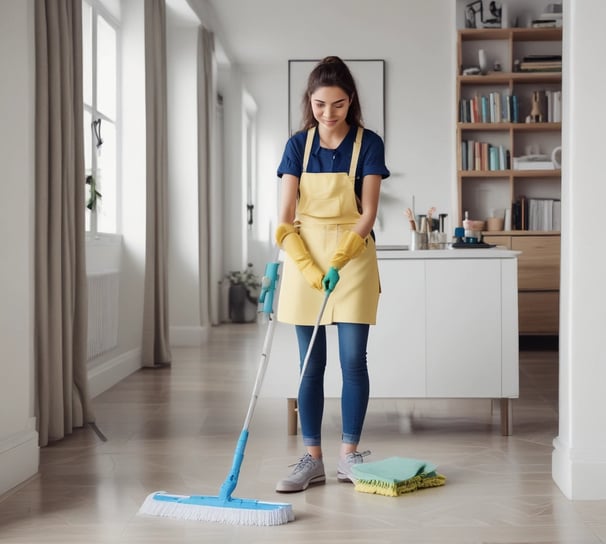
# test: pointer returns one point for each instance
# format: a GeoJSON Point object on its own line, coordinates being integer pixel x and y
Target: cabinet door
{"type": "Point", "coordinates": [396, 345]}
{"type": "Point", "coordinates": [539, 312]}
{"type": "Point", "coordinates": [539, 263]}
{"type": "Point", "coordinates": [464, 350]}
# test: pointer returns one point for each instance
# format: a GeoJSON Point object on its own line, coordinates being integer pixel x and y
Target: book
{"type": "Point", "coordinates": [546, 66]}
{"type": "Point", "coordinates": [493, 159]}
{"type": "Point", "coordinates": [502, 158]}
{"type": "Point", "coordinates": [532, 165]}
{"type": "Point", "coordinates": [543, 214]}
{"type": "Point", "coordinates": [542, 58]}
{"type": "Point", "coordinates": [484, 104]}
{"type": "Point", "coordinates": [545, 23]}
{"type": "Point", "coordinates": [470, 156]}
{"type": "Point", "coordinates": [507, 223]}
{"type": "Point", "coordinates": [484, 156]}
{"type": "Point", "coordinates": [519, 214]}
{"type": "Point", "coordinates": [533, 162]}
{"type": "Point", "coordinates": [515, 109]}
{"type": "Point", "coordinates": [477, 155]}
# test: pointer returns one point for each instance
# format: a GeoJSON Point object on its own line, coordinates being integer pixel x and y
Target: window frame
{"type": "Point", "coordinates": [99, 10]}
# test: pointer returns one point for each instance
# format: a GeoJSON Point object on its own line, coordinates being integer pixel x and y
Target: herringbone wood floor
{"type": "Point", "coordinates": [175, 429]}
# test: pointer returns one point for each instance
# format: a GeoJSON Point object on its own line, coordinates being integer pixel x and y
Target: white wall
{"type": "Point", "coordinates": [417, 41]}
{"type": "Point", "coordinates": [231, 87]}
{"type": "Point", "coordinates": [183, 177]}
{"type": "Point", "coordinates": [18, 437]}
{"type": "Point", "coordinates": [186, 325]}
{"type": "Point", "coordinates": [579, 457]}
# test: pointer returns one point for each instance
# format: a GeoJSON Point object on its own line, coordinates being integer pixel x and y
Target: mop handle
{"type": "Point", "coordinates": [266, 297]}
{"type": "Point", "coordinates": [313, 339]}
{"type": "Point", "coordinates": [231, 481]}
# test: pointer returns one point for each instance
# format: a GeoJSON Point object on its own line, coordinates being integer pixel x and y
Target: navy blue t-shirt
{"type": "Point", "coordinates": [370, 162]}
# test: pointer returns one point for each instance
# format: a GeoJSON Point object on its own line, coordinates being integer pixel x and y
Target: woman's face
{"type": "Point", "coordinates": [330, 106]}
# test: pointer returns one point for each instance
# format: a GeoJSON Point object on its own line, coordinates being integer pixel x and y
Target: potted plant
{"type": "Point", "coordinates": [92, 202]}
{"type": "Point", "coordinates": [243, 288]}
{"type": "Point", "coordinates": [94, 195]}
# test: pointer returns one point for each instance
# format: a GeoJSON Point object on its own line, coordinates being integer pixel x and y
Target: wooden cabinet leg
{"type": "Point", "coordinates": [506, 417]}
{"type": "Point", "coordinates": [291, 415]}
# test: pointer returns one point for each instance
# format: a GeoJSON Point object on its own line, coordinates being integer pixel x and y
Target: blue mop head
{"type": "Point", "coordinates": [222, 508]}
{"type": "Point", "coordinates": [215, 509]}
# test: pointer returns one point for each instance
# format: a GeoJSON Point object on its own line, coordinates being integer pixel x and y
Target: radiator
{"type": "Point", "coordinates": [102, 313]}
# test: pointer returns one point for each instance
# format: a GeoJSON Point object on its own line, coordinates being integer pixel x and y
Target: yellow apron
{"type": "Point", "coordinates": [326, 209]}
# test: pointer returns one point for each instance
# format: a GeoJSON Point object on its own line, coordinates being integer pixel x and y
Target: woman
{"type": "Point", "coordinates": [331, 175]}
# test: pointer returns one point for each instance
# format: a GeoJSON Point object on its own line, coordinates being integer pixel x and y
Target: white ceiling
{"type": "Point", "coordinates": [270, 31]}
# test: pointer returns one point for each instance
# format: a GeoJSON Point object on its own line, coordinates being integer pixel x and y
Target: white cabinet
{"type": "Point", "coordinates": [396, 359]}
{"type": "Point", "coordinates": [447, 327]}
{"type": "Point", "coordinates": [464, 324]}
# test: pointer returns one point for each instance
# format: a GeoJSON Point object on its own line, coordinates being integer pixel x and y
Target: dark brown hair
{"type": "Point", "coordinates": [331, 72]}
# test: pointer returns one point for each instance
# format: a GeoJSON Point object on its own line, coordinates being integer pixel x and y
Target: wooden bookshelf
{"type": "Point", "coordinates": [480, 191]}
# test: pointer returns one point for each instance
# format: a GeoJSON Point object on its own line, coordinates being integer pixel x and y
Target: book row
{"type": "Point", "coordinates": [489, 108]}
{"type": "Point", "coordinates": [541, 63]}
{"type": "Point", "coordinates": [482, 156]}
{"type": "Point", "coordinates": [498, 107]}
{"type": "Point", "coordinates": [543, 214]}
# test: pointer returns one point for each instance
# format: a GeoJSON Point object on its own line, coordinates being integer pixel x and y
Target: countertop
{"type": "Point", "coordinates": [402, 252]}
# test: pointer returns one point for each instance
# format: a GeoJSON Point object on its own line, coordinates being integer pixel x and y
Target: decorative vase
{"type": "Point", "coordinates": [483, 62]}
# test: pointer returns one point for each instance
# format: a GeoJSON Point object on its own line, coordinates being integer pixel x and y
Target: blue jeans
{"type": "Point", "coordinates": [353, 338]}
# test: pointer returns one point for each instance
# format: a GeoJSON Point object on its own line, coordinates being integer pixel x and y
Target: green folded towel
{"type": "Point", "coordinates": [395, 476]}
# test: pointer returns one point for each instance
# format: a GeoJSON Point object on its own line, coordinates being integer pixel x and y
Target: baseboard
{"type": "Point", "coordinates": [19, 458]}
{"type": "Point", "coordinates": [580, 474]}
{"type": "Point", "coordinates": [185, 337]}
{"type": "Point", "coordinates": [105, 375]}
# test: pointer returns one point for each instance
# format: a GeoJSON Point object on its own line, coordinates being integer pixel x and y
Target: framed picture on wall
{"type": "Point", "coordinates": [369, 76]}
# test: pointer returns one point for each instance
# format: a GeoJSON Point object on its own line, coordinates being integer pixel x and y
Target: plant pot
{"type": "Point", "coordinates": [238, 300]}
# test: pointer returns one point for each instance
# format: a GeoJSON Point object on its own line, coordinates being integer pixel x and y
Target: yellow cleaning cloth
{"type": "Point", "coordinates": [395, 476]}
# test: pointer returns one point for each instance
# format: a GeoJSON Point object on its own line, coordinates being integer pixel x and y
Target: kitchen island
{"type": "Point", "coordinates": [447, 327]}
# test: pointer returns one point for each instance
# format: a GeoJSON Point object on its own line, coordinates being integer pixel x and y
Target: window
{"type": "Point", "coordinates": [100, 35]}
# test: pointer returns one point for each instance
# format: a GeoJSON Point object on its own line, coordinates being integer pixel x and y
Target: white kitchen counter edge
{"type": "Point", "coordinates": [483, 253]}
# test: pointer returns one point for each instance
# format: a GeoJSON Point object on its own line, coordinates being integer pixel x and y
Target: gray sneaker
{"type": "Point", "coordinates": [307, 471]}
{"type": "Point", "coordinates": [344, 473]}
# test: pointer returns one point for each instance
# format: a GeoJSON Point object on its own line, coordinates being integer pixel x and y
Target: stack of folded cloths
{"type": "Point", "coordinates": [395, 476]}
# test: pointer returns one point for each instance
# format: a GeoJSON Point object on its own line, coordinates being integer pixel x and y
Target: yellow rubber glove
{"type": "Point", "coordinates": [290, 241]}
{"type": "Point", "coordinates": [350, 246]}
